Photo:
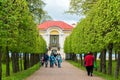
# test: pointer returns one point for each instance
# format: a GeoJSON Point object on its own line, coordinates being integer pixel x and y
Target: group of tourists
{"type": "Point", "coordinates": [53, 59]}
{"type": "Point", "coordinates": [56, 60]}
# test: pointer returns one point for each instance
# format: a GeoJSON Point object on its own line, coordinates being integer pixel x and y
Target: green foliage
{"type": "Point", "coordinates": [17, 28]}
{"type": "Point", "coordinates": [67, 45]}
{"type": "Point", "coordinates": [98, 29]}
{"type": "Point", "coordinates": [81, 6]}
{"type": "Point", "coordinates": [36, 8]}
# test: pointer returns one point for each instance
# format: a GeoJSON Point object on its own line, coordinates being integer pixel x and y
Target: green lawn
{"type": "Point", "coordinates": [20, 75]}
{"type": "Point", "coordinates": [97, 73]}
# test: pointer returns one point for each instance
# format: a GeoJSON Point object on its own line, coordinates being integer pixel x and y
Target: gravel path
{"type": "Point", "coordinates": [67, 72]}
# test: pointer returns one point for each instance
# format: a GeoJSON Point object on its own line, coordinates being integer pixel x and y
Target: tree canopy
{"type": "Point", "coordinates": [100, 28]}
{"type": "Point", "coordinates": [18, 30]}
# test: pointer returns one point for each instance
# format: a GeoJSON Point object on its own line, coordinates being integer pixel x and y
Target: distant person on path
{"type": "Point", "coordinates": [46, 58]}
{"type": "Point", "coordinates": [42, 61]}
{"type": "Point", "coordinates": [52, 60]}
{"type": "Point", "coordinates": [59, 60]}
{"type": "Point", "coordinates": [55, 55]}
{"type": "Point", "coordinates": [89, 63]}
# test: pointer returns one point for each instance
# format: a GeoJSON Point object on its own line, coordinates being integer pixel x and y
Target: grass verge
{"type": "Point", "coordinates": [23, 74]}
{"type": "Point", "coordinates": [96, 73]}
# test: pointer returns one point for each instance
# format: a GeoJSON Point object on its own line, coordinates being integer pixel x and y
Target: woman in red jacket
{"type": "Point", "coordinates": [89, 61]}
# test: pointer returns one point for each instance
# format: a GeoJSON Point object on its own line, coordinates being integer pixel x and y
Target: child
{"type": "Point", "coordinates": [42, 61]}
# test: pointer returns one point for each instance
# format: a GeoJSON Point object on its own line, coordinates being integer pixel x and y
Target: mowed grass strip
{"type": "Point", "coordinates": [21, 75]}
{"type": "Point", "coordinates": [97, 73]}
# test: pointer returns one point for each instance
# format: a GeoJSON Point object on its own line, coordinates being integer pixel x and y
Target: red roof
{"type": "Point", "coordinates": [47, 24]}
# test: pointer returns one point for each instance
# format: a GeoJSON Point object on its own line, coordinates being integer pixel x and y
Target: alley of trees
{"type": "Point", "coordinates": [99, 32]}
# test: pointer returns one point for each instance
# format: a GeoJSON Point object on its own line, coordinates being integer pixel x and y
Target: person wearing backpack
{"type": "Point", "coordinates": [52, 60]}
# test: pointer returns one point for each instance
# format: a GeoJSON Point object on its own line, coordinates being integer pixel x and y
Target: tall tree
{"type": "Point", "coordinates": [8, 34]}
{"type": "Point", "coordinates": [81, 6]}
{"type": "Point", "coordinates": [36, 8]}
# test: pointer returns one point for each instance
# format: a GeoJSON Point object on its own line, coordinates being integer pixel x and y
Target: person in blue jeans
{"type": "Point", "coordinates": [59, 60]}
{"type": "Point", "coordinates": [52, 60]}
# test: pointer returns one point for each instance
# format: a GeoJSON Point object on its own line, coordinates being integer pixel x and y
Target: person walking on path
{"type": "Point", "coordinates": [55, 55]}
{"type": "Point", "coordinates": [59, 60]}
{"type": "Point", "coordinates": [89, 62]}
{"type": "Point", "coordinates": [46, 58]}
{"type": "Point", "coordinates": [42, 61]}
{"type": "Point", "coordinates": [52, 60]}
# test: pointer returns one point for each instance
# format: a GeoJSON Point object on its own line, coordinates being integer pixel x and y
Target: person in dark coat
{"type": "Point", "coordinates": [46, 58]}
{"type": "Point", "coordinates": [89, 62]}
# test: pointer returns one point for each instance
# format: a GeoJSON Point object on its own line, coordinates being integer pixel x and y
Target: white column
{"type": "Point", "coordinates": [48, 39]}
{"type": "Point", "coordinates": [61, 41]}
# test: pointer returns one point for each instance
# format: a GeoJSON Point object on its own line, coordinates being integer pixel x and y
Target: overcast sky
{"type": "Point", "coordinates": [56, 9]}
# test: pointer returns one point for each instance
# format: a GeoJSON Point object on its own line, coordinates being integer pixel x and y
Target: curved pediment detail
{"type": "Point", "coordinates": [54, 32]}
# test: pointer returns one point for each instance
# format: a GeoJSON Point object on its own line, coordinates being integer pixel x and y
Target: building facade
{"type": "Point", "coordinates": [54, 33]}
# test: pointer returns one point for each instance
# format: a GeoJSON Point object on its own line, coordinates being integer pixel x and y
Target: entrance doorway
{"type": "Point", "coordinates": [54, 40]}
{"type": "Point", "coordinates": [54, 51]}
{"type": "Point", "coordinates": [54, 46]}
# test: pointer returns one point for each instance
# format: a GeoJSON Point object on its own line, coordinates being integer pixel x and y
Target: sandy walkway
{"type": "Point", "coordinates": [67, 72]}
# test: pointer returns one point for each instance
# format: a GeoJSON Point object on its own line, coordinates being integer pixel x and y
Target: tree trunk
{"type": "Point", "coordinates": [13, 63]}
{"type": "Point", "coordinates": [110, 47]}
{"type": "Point", "coordinates": [31, 60]}
{"type": "Point", "coordinates": [67, 57]}
{"type": "Point", "coordinates": [74, 57]}
{"type": "Point", "coordinates": [20, 61]}
{"type": "Point", "coordinates": [117, 66]}
{"type": "Point", "coordinates": [0, 63]}
{"type": "Point", "coordinates": [70, 56]}
{"type": "Point", "coordinates": [81, 60]}
{"type": "Point", "coordinates": [35, 58]}
{"type": "Point", "coordinates": [101, 56]}
{"type": "Point", "coordinates": [116, 57]}
{"type": "Point", "coordinates": [28, 62]}
{"type": "Point", "coordinates": [95, 54]}
{"type": "Point", "coordinates": [38, 58]}
{"type": "Point", "coordinates": [25, 62]}
{"type": "Point", "coordinates": [17, 62]}
{"type": "Point", "coordinates": [104, 61]}
{"type": "Point", "coordinates": [7, 62]}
